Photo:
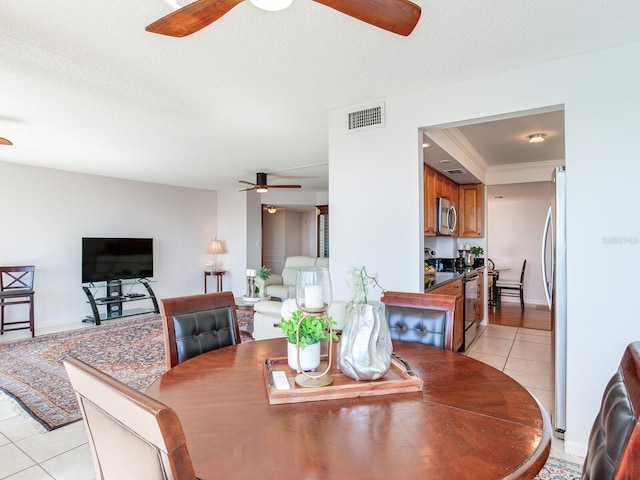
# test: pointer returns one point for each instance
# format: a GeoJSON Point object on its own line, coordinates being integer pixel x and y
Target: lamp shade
{"type": "Point", "coordinates": [216, 246]}
{"type": "Point", "coordinates": [272, 5]}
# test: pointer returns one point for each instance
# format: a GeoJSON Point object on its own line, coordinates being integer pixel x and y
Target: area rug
{"type": "Point", "coordinates": [558, 468]}
{"type": "Point", "coordinates": [131, 350]}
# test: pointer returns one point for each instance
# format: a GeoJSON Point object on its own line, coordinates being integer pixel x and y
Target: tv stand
{"type": "Point", "coordinates": [117, 294]}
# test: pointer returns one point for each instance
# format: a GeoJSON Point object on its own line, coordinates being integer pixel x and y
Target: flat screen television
{"type": "Point", "coordinates": [106, 259]}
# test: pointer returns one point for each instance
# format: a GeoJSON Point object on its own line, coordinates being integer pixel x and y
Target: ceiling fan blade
{"type": "Point", "coordinates": [248, 183]}
{"type": "Point", "coordinates": [4, 141]}
{"type": "Point", "coordinates": [191, 18]}
{"type": "Point", "coordinates": [247, 189]}
{"type": "Point", "coordinates": [397, 16]}
{"type": "Point", "coordinates": [283, 186]}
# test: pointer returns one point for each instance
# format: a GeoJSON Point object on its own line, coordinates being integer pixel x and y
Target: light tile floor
{"type": "Point", "coordinates": [29, 452]}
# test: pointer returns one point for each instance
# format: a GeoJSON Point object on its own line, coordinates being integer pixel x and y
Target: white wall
{"type": "Point", "coordinates": [55, 209]}
{"type": "Point", "coordinates": [375, 198]}
{"type": "Point", "coordinates": [515, 226]}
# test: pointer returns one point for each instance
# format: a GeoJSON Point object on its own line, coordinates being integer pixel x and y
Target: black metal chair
{"type": "Point", "coordinates": [614, 443]}
{"type": "Point", "coordinates": [16, 288]}
{"type": "Point", "coordinates": [512, 288]}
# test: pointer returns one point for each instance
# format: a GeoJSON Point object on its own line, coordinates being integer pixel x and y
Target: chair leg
{"type": "Point", "coordinates": [522, 299]}
{"type": "Point", "coordinates": [31, 322]}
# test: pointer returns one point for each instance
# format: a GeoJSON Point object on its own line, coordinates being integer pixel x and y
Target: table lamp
{"type": "Point", "coordinates": [216, 247]}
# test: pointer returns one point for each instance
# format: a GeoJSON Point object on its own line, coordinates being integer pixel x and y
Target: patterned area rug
{"type": "Point", "coordinates": [131, 350]}
{"type": "Point", "coordinates": [560, 469]}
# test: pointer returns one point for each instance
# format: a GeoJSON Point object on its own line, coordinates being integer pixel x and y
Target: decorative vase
{"type": "Point", "coordinates": [365, 344]}
{"type": "Point", "coordinates": [309, 357]}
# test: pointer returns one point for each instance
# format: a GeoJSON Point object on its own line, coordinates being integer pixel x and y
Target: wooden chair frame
{"type": "Point", "coordinates": [16, 288]}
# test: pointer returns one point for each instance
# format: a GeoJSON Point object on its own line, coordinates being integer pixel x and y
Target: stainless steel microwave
{"type": "Point", "coordinates": [446, 217]}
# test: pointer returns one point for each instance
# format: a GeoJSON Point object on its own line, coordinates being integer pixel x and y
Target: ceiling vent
{"type": "Point", "coordinates": [454, 171]}
{"type": "Point", "coordinates": [370, 117]}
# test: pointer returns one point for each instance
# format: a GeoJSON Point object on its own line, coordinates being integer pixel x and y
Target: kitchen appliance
{"type": "Point", "coordinates": [554, 277]}
{"type": "Point", "coordinates": [470, 304]}
{"type": "Point", "coordinates": [446, 216]}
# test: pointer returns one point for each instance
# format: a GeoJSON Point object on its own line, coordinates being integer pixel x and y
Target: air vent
{"type": "Point", "coordinates": [454, 171]}
{"type": "Point", "coordinates": [369, 117]}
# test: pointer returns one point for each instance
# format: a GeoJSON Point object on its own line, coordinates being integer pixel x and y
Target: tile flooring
{"type": "Point", "coordinates": [29, 452]}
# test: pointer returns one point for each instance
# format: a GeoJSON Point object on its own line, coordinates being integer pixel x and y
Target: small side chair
{"type": "Point", "coordinates": [16, 288]}
{"type": "Point", "coordinates": [197, 324]}
{"type": "Point", "coordinates": [512, 288]}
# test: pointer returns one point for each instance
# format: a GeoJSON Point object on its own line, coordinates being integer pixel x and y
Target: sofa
{"type": "Point", "coordinates": [268, 314]}
{"type": "Point", "coordinates": [283, 285]}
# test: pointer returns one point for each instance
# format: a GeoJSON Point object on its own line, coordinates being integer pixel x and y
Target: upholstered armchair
{"type": "Point", "coordinates": [283, 285]}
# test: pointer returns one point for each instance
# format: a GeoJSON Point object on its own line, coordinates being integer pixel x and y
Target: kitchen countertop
{"type": "Point", "coordinates": [439, 279]}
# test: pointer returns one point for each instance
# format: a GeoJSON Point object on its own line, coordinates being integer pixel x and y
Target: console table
{"type": "Point", "coordinates": [218, 274]}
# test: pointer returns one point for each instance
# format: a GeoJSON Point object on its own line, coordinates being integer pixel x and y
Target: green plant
{"type": "Point", "coordinates": [360, 283]}
{"type": "Point", "coordinates": [264, 272]}
{"type": "Point", "coordinates": [477, 251]}
{"type": "Point", "coordinates": [312, 329]}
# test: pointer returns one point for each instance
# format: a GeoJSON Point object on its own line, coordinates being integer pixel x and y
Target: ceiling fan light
{"type": "Point", "coordinates": [536, 138]}
{"type": "Point", "coordinates": [272, 5]}
{"type": "Point", "coordinates": [262, 190]}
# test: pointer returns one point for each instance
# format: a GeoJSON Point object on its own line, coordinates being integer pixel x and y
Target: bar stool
{"type": "Point", "coordinates": [16, 288]}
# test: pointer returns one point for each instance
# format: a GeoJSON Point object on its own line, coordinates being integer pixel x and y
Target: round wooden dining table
{"type": "Point", "coordinates": [468, 421]}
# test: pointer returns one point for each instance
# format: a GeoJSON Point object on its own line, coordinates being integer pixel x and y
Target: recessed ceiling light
{"type": "Point", "coordinates": [425, 145]}
{"type": "Point", "coordinates": [445, 160]}
{"type": "Point", "coordinates": [536, 138]}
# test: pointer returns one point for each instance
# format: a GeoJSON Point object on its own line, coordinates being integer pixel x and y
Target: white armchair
{"type": "Point", "coordinates": [283, 285]}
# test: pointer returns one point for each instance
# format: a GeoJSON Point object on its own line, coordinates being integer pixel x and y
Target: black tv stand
{"type": "Point", "coordinates": [115, 299]}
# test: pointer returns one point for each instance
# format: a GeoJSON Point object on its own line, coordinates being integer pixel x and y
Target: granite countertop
{"type": "Point", "coordinates": [439, 279]}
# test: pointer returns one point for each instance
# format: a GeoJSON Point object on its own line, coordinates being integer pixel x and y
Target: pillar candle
{"type": "Point", "coordinates": [313, 296]}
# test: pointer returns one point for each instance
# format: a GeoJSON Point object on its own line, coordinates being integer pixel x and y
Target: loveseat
{"type": "Point", "coordinates": [283, 285]}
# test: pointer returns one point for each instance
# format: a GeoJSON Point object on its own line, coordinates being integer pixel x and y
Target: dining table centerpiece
{"type": "Point", "coordinates": [365, 344]}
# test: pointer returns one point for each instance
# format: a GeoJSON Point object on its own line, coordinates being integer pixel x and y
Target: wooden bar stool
{"type": "Point", "coordinates": [16, 288]}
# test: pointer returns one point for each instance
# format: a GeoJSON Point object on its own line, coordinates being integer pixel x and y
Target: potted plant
{"type": "Point", "coordinates": [304, 333]}
{"type": "Point", "coordinates": [264, 273]}
{"type": "Point", "coordinates": [365, 345]}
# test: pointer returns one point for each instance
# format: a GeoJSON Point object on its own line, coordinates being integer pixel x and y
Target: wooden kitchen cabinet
{"type": "Point", "coordinates": [470, 210]}
{"type": "Point", "coordinates": [429, 201]}
{"type": "Point", "coordinates": [455, 288]}
{"type": "Point", "coordinates": [436, 186]}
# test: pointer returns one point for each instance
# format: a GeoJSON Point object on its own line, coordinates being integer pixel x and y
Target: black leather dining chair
{"type": "Point", "coordinates": [613, 451]}
{"type": "Point", "coordinates": [420, 318]}
{"type": "Point", "coordinates": [197, 324]}
{"type": "Point", "coordinates": [512, 288]}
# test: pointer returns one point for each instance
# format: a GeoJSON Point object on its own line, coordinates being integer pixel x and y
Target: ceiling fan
{"type": "Point", "coordinates": [261, 184]}
{"type": "Point", "coordinates": [397, 16]}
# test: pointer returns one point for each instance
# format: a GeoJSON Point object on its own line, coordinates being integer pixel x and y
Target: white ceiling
{"type": "Point", "coordinates": [84, 88]}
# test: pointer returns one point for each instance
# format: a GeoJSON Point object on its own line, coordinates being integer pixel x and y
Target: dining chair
{"type": "Point", "coordinates": [513, 288]}
{"type": "Point", "coordinates": [420, 318]}
{"type": "Point", "coordinates": [16, 288]}
{"type": "Point", "coordinates": [131, 436]}
{"type": "Point", "coordinates": [613, 451]}
{"type": "Point", "coordinates": [196, 324]}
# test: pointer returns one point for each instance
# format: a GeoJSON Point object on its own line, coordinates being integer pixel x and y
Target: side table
{"type": "Point", "coordinates": [218, 274]}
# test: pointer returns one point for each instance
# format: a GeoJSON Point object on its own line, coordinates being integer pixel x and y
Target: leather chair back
{"type": "Point", "coordinates": [614, 444]}
{"type": "Point", "coordinates": [130, 434]}
{"type": "Point", "coordinates": [197, 324]}
{"type": "Point", "coordinates": [421, 318]}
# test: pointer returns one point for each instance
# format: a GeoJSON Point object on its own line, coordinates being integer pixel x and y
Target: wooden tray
{"type": "Point", "coordinates": [396, 380]}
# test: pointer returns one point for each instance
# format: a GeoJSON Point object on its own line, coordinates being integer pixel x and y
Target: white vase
{"type": "Point", "coordinates": [309, 357]}
{"type": "Point", "coordinates": [365, 345]}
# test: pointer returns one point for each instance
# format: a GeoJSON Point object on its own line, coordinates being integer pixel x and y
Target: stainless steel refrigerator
{"type": "Point", "coordinates": [554, 276]}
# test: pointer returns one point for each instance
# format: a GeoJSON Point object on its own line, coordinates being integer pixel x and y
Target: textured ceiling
{"type": "Point", "coordinates": [83, 87]}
